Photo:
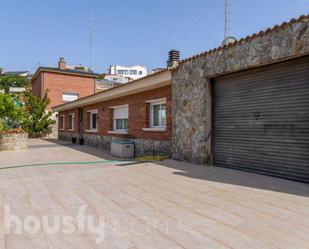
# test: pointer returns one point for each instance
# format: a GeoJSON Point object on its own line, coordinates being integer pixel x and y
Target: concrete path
{"type": "Point", "coordinates": [164, 205]}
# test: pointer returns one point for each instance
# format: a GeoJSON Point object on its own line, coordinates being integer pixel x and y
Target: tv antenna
{"type": "Point", "coordinates": [227, 19]}
{"type": "Point", "coordinates": [227, 36]}
{"type": "Point", "coordinates": [90, 21]}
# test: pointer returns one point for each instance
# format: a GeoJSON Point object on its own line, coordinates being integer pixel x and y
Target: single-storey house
{"type": "Point", "coordinates": [140, 110]}
{"type": "Point", "coordinates": [244, 105]}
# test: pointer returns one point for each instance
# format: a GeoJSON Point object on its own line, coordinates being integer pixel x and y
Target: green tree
{"type": "Point", "coordinates": [10, 112]}
{"type": "Point", "coordinates": [36, 119]}
{"type": "Point", "coordinates": [12, 80]}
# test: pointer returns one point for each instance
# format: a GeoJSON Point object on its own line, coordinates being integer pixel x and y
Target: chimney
{"type": "Point", "coordinates": [173, 58]}
{"type": "Point", "coordinates": [61, 63]}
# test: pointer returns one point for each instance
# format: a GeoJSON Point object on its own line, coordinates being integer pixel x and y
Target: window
{"type": "Point", "coordinates": [68, 97]}
{"type": "Point", "coordinates": [120, 116]}
{"type": "Point", "coordinates": [92, 117]}
{"type": "Point", "coordinates": [121, 124]}
{"type": "Point", "coordinates": [140, 72]}
{"type": "Point", "coordinates": [134, 72]}
{"type": "Point", "coordinates": [158, 115]}
{"type": "Point", "coordinates": [61, 122]}
{"type": "Point", "coordinates": [122, 71]}
{"type": "Point", "coordinates": [71, 121]}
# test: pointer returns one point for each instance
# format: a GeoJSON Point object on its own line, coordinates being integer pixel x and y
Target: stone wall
{"type": "Point", "coordinates": [13, 141]}
{"type": "Point", "coordinates": [52, 131]}
{"type": "Point", "coordinates": [67, 136]}
{"type": "Point", "coordinates": [190, 80]}
{"type": "Point", "coordinates": [143, 147]}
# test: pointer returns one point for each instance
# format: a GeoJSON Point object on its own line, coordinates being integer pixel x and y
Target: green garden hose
{"type": "Point", "coordinates": [124, 163]}
{"type": "Point", "coordinates": [58, 163]}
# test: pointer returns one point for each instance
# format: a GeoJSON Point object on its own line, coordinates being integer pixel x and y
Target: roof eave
{"type": "Point", "coordinates": [145, 84]}
{"type": "Point", "coordinates": [63, 72]}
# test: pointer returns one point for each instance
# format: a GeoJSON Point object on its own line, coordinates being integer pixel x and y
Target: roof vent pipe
{"type": "Point", "coordinates": [173, 58]}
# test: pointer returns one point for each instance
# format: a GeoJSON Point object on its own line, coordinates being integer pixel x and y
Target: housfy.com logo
{"type": "Point", "coordinates": [51, 225]}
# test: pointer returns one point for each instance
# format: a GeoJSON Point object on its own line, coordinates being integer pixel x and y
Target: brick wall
{"type": "Point", "coordinates": [37, 85]}
{"type": "Point", "coordinates": [66, 120]}
{"type": "Point", "coordinates": [138, 115]}
{"type": "Point", "coordinates": [58, 83]}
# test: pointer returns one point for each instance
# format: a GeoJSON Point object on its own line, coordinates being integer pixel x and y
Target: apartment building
{"type": "Point", "coordinates": [130, 72]}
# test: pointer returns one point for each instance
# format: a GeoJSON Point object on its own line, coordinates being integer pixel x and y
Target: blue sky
{"type": "Point", "coordinates": [38, 32]}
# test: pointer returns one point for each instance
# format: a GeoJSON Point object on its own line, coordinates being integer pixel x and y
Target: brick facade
{"type": "Point", "coordinates": [37, 84]}
{"type": "Point", "coordinates": [137, 120]}
{"type": "Point", "coordinates": [66, 120]}
{"type": "Point", "coordinates": [138, 115]}
{"type": "Point", "coordinates": [58, 83]}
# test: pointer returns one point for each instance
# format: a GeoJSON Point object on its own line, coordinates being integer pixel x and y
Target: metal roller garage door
{"type": "Point", "coordinates": [261, 120]}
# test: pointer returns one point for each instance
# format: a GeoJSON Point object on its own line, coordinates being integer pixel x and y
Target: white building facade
{"type": "Point", "coordinates": [132, 72]}
{"type": "Point", "coordinates": [116, 78]}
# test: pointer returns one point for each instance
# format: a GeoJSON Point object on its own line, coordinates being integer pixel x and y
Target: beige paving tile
{"type": "Point", "coordinates": [206, 207]}
{"type": "Point", "coordinates": [18, 241]}
{"type": "Point", "coordinates": [211, 228]}
{"type": "Point", "coordinates": [2, 239]}
{"type": "Point", "coordinates": [247, 199]}
{"type": "Point", "coordinates": [277, 222]}
{"type": "Point", "coordinates": [167, 225]}
{"type": "Point", "coordinates": [122, 221]}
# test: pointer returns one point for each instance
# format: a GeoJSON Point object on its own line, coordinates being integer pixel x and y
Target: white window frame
{"type": "Point", "coordinates": [73, 121]}
{"type": "Point", "coordinates": [152, 104]}
{"type": "Point", "coordinates": [90, 120]}
{"type": "Point", "coordinates": [63, 122]}
{"type": "Point", "coordinates": [120, 131]}
{"type": "Point", "coordinates": [72, 95]}
{"type": "Point", "coordinates": [122, 121]}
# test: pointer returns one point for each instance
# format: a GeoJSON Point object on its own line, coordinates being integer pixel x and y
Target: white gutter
{"type": "Point", "coordinates": [144, 84]}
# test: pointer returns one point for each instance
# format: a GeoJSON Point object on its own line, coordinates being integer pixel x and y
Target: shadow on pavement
{"type": "Point", "coordinates": [98, 152]}
{"type": "Point", "coordinates": [236, 177]}
{"type": "Point", "coordinates": [207, 173]}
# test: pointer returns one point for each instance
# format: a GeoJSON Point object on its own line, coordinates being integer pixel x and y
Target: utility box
{"type": "Point", "coordinates": [123, 149]}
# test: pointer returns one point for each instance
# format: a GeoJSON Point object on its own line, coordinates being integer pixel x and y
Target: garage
{"type": "Point", "coordinates": [260, 120]}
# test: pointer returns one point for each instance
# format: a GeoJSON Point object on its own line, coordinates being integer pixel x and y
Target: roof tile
{"type": "Point", "coordinates": [246, 39]}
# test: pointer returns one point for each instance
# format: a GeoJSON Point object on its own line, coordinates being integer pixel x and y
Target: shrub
{"type": "Point", "coordinates": [12, 80]}
{"type": "Point", "coordinates": [36, 119]}
{"type": "Point", "coordinates": [10, 113]}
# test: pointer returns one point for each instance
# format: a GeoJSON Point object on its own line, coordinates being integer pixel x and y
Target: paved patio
{"type": "Point", "coordinates": [165, 204]}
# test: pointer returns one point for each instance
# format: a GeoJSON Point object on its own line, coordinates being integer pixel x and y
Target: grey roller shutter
{"type": "Point", "coordinates": [261, 120]}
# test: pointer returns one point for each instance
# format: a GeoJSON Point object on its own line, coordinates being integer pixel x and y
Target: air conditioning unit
{"type": "Point", "coordinates": [123, 149]}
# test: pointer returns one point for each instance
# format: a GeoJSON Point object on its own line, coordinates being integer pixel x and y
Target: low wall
{"type": "Point", "coordinates": [143, 147]}
{"type": "Point", "coordinates": [13, 141]}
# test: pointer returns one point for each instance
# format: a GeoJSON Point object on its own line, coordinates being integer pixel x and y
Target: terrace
{"type": "Point", "coordinates": [165, 204]}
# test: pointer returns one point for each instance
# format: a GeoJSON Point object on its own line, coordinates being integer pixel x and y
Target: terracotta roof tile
{"type": "Point", "coordinates": [246, 39]}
